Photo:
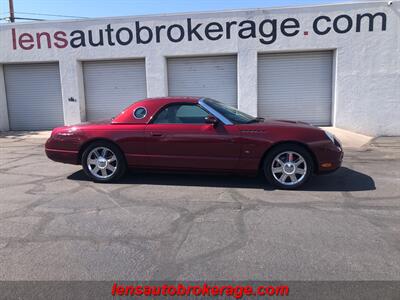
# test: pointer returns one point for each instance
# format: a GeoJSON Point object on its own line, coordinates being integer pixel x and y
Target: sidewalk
{"type": "Point", "coordinates": [45, 134]}
{"type": "Point", "coordinates": [349, 139]}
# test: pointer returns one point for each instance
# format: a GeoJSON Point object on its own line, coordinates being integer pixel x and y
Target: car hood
{"type": "Point", "coordinates": [283, 129]}
{"type": "Point", "coordinates": [279, 123]}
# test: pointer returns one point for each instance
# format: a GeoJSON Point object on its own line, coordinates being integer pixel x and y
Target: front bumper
{"type": "Point", "coordinates": [329, 156]}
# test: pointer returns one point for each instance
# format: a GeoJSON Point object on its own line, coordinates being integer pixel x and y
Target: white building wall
{"type": "Point", "coordinates": [4, 122]}
{"type": "Point", "coordinates": [72, 90]}
{"type": "Point", "coordinates": [367, 86]}
{"type": "Point", "coordinates": [247, 81]}
{"type": "Point", "coordinates": [156, 75]}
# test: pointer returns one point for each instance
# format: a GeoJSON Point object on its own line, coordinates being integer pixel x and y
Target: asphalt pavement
{"type": "Point", "coordinates": [57, 225]}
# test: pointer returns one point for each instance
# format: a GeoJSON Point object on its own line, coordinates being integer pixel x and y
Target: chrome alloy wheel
{"type": "Point", "coordinates": [289, 168]}
{"type": "Point", "coordinates": [102, 162]}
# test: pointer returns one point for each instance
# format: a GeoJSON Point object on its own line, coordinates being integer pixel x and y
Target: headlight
{"type": "Point", "coordinates": [330, 136]}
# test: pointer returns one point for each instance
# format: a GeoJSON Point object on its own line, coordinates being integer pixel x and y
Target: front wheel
{"type": "Point", "coordinates": [103, 162]}
{"type": "Point", "coordinates": [288, 166]}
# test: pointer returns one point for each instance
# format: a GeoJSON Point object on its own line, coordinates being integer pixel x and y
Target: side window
{"type": "Point", "coordinates": [181, 114]}
{"type": "Point", "coordinates": [162, 117]}
{"type": "Point", "coordinates": [190, 114]}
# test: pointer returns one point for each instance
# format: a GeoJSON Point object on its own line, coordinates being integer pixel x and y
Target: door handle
{"type": "Point", "coordinates": [156, 134]}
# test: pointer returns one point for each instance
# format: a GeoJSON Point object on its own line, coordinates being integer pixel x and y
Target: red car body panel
{"type": "Point", "coordinates": [205, 147]}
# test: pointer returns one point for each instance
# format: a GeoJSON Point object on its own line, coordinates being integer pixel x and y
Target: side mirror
{"type": "Point", "coordinates": [211, 120]}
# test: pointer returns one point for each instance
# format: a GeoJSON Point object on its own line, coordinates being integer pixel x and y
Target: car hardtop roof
{"type": "Point", "coordinates": [166, 100]}
{"type": "Point", "coordinates": [152, 105]}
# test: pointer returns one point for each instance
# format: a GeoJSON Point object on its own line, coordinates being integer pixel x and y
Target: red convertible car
{"type": "Point", "coordinates": [196, 134]}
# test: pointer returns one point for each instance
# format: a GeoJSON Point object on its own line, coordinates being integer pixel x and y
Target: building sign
{"type": "Point", "coordinates": [265, 31]}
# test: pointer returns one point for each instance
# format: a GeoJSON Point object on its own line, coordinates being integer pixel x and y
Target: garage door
{"type": "Point", "coordinates": [33, 96]}
{"type": "Point", "coordinates": [111, 86]}
{"type": "Point", "coordinates": [213, 77]}
{"type": "Point", "coordinates": [296, 86]}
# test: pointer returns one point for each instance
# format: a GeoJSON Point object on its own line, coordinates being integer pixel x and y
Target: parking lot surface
{"type": "Point", "coordinates": [57, 225]}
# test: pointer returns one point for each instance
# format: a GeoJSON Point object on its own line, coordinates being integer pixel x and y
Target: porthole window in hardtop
{"type": "Point", "coordinates": [140, 113]}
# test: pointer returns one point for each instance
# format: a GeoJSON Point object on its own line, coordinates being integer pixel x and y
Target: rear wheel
{"type": "Point", "coordinates": [103, 162]}
{"type": "Point", "coordinates": [288, 166]}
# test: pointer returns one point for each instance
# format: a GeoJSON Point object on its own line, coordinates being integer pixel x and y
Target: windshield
{"type": "Point", "coordinates": [231, 113]}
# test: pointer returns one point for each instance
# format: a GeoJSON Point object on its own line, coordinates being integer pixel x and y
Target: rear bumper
{"type": "Point", "coordinates": [64, 156]}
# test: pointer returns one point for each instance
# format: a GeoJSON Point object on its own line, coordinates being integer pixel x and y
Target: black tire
{"type": "Point", "coordinates": [119, 163]}
{"type": "Point", "coordinates": [282, 149]}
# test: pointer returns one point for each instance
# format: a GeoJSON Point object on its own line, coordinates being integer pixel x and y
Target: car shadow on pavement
{"type": "Point", "coordinates": [343, 180]}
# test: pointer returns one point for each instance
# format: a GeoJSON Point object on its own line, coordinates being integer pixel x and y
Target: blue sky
{"type": "Point", "coordinates": [104, 8]}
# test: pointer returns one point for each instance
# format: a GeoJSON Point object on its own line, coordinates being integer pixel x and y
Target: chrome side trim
{"type": "Point", "coordinates": [216, 114]}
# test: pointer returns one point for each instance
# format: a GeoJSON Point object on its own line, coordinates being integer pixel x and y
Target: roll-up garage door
{"type": "Point", "coordinates": [33, 96]}
{"type": "Point", "coordinates": [296, 86]}
{"type": "Point", "coordinates": [111, 86]}
{"type": "Point", "coordinates": [214, 77]}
